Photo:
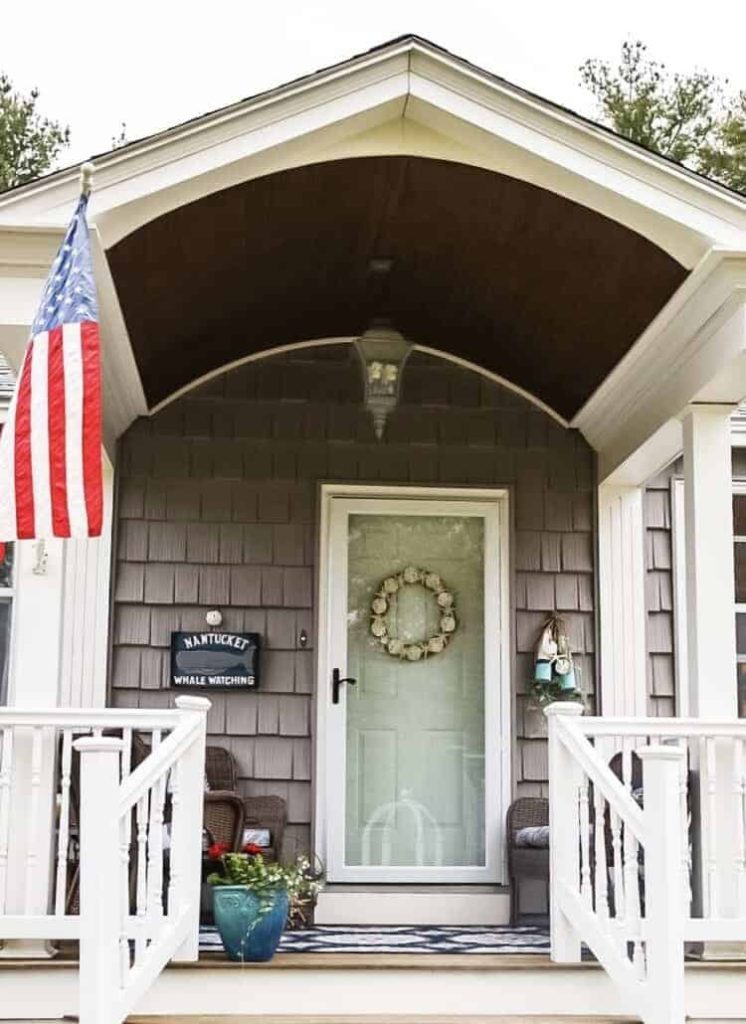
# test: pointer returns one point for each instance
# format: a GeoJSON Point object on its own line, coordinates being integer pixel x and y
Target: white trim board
{"type": "Point", "coordinates": [497, 668]}
{"type": "Point", "coordinates": [415, 908]}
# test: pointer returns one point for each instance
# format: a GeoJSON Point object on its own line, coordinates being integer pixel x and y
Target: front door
{"type": "Point", "coordinates": [415, 780]}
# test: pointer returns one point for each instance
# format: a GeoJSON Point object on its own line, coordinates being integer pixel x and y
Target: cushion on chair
{"type": "Point", "coordinates": [536, 836]}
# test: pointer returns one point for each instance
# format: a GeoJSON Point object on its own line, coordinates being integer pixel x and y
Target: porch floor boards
{"type": "Point", "coordinates": [67, 959]}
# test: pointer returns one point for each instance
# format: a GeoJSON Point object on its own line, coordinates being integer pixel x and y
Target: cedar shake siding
{"type": "Point", "coordinates": [661, 679]}
{"type": "Point", "coordinates": [216, 507]}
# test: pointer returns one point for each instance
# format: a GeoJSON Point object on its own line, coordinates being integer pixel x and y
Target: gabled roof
{"type": "Point", "coordinates": [407, 41]}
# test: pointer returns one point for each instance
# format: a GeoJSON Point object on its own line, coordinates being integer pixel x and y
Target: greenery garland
{"type": "Point", "coordinates": [381, 603]}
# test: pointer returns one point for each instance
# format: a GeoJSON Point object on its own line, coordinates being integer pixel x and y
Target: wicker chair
{"type": "Point", "coordinates": [220, 769]}
{"type": "Point", "coordinates": [268, 812]}
{"type": "Point", "coordinates": [526, 862]}
{"type": "Point", "coordinates": [224, 817]}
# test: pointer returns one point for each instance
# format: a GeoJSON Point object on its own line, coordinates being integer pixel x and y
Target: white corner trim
{"type": "Point", "coordinates": [688, 345]}
{"type": "Point", "coordinates": [680, 632]}
{"type": "Point", "coordinates": [622, 616]}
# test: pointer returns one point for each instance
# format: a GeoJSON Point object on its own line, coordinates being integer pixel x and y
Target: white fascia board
{"type": "Point", "coordinates": [581, 147]}
{"type": "Point", "coordinates": [122, 391]}
{"type": "Point", "coordinates": [692, 349]}
{"type": "Point", "coordinates": [677, 210]}
{"type": "Point", "coordinates": [192, 154]}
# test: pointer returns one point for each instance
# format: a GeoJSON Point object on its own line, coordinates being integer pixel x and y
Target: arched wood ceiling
{"type": "Point", "coordinates": [529, 285]}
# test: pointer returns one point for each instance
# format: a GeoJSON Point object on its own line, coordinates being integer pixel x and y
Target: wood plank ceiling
{"type": "Point", "coordinates": [525, 283]}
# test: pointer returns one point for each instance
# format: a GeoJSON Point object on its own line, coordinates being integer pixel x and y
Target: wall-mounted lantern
{"type": "Point", "coordinates": [383, 352]}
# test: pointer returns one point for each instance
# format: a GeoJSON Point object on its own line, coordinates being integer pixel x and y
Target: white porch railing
{"type": "Point", "coordinates": [135, 876]}
{"type": "Point", "coordinates": [643, 813]}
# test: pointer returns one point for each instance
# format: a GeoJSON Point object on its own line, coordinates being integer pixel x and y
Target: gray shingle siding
{"type": "Point", "coordinates": [217, 506]}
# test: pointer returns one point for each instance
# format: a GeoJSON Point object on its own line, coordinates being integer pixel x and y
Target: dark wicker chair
{"type": "Point", "coordinates": [526, 862]}
{"type": "Point", "coordinates": [268, 812]}
{"type": "Point", "coordinates": [220, 769]}
{"type": "Point", "coordinates": [224, 817]}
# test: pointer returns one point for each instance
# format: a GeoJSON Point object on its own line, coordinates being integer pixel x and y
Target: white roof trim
{"type": "Point", "coordinates": [246, 140]}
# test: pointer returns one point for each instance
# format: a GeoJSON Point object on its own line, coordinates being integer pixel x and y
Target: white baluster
{"type": "Point", "coordinates": [141, 824]}
{"type": "Point", "coordinates": [686, 856]}
{"type": "Point", "coordinates": [155, 848]}
{"type": "Point", "coordinates": [124, 853]}
{"type": "Point", "coordinates": [32, 854]}
{"type": "Point", "coordinates": [710, 826]}
{"type": "Point", "coordinates": [601, 868]}
{"type": "Point", "coordinates": [632, 909]}
{"type": "Point", "coordinates": [586, 890]}
{"type": "Point", "coordinates": [741, 825]}
{"type": "Point", "coordinates": [63, 830]}
{"type": "Point", "coordinates": [6, 776]}
{"type": "Point", "coordinates": [616, 846]}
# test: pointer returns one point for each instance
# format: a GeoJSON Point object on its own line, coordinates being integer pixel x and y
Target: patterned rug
{"type": "Point", "coordinates": [403, 939]}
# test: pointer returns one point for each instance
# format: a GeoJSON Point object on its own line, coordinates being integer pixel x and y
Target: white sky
{"type": "Point", "coordinates": [153, 64]}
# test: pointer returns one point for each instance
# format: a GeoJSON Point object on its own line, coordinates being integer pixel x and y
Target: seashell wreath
{"type": "Point", "coordinates": [387, 589]}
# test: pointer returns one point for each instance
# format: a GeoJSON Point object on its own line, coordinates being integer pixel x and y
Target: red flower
{"type": "Point", "coordinates": [216, 851]}
{"type": "Point", "coordinates": [253, 849]}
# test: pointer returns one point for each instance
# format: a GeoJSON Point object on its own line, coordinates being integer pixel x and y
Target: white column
{"type": "Point", "coordinates": [708, 489]}
{"type": "Point", "coordinates": [711, 635]}
{"type": "Point", "coordinates": [621, 574]}
{"type": "Point", "coordinates": [86, 612]}
{"type": "Point", "coordinates": [34, 683]}
{"type": "Point", "coordinates": [59, 647]}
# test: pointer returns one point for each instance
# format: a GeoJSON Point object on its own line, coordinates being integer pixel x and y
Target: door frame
{"type": "Point", "coordinates": [498, 690]}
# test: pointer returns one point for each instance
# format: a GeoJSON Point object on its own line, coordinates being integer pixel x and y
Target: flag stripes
{"type": "Point", "coordinates": [50, 449]}
{"type": "Point", "coordinates": [52, 485]}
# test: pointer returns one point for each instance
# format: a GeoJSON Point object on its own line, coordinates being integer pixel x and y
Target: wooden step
{"type": "Point", "coordinates": [396, 1019]}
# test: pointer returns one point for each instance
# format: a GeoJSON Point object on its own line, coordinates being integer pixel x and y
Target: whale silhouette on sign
{"type": "Point", "coordinates": [215, 663]}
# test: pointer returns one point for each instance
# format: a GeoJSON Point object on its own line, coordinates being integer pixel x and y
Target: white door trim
{"type": "Point", "coordinates": [493, 504]}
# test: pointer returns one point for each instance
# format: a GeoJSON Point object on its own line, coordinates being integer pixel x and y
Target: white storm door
{"type": "Point", "coordinates": [416, 751]}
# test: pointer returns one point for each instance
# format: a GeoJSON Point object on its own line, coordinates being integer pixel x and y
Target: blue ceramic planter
{"type": "Point", "coordinates": [247, 933]}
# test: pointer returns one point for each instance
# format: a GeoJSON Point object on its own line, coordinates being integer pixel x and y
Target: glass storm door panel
{"type": "Point", "coordinates": [415, 751]}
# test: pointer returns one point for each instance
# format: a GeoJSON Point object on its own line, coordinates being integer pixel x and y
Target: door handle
{"type": "Point", "coordinates": [337, 681]}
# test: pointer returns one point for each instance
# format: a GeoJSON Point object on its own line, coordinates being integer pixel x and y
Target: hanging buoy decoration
{"type": "Point", "coordinates": [554, 669]}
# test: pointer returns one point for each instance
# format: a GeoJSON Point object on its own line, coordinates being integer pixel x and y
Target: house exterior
{"type": "Point", "coordinates": [573, 310]}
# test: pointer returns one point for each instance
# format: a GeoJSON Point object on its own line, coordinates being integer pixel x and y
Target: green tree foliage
{"type": "Point", "coordinates": [687, 117]}
{"type": "Point", "coordinates": [29, 143]}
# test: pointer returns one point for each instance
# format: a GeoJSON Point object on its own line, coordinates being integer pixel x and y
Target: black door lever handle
{"type": "Point", "coordinates": [337, 681]}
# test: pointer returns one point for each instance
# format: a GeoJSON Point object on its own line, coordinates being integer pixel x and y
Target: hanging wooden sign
{"type": "Point", "coordinates": [215, 660]}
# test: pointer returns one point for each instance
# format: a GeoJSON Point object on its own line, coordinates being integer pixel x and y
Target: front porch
{"type": "Point", "coordinates": [558, 441]}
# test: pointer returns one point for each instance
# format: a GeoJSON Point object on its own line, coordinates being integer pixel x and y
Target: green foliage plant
{"type": "Point", "coordinates": [301, 880]}
{"type": "Point", "coordinates": [689, 118]}
{"type": "Point", "coordinates": [29, 143]}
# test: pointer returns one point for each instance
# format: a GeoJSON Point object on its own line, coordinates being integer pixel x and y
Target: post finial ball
{"type": "Point", "coordinates": [86, 174]}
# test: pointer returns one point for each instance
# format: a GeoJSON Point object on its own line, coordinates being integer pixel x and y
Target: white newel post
{"type": "Point", "coordinates": [708, 515]}
{"type": "Point", "coordinates": [187, 793]}
{"type": "Point", "coordinates": [564, 833]}
{"type": "Point", "coordinates": [664, 884]}
{"type": "Point", "coordinates": [101, 911]}
{"type": "Point", "coordinates": [621, 574]}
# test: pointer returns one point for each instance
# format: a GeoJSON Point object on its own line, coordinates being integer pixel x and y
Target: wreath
{"type": "Point", "coordinates": [381, 603]}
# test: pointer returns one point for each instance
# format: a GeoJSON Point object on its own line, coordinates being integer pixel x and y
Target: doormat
{"type": "Point", "coordinates": [403, 939]}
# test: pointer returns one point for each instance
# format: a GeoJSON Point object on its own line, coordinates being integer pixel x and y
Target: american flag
{"type": "Point", "coordinates": [50, 447]}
